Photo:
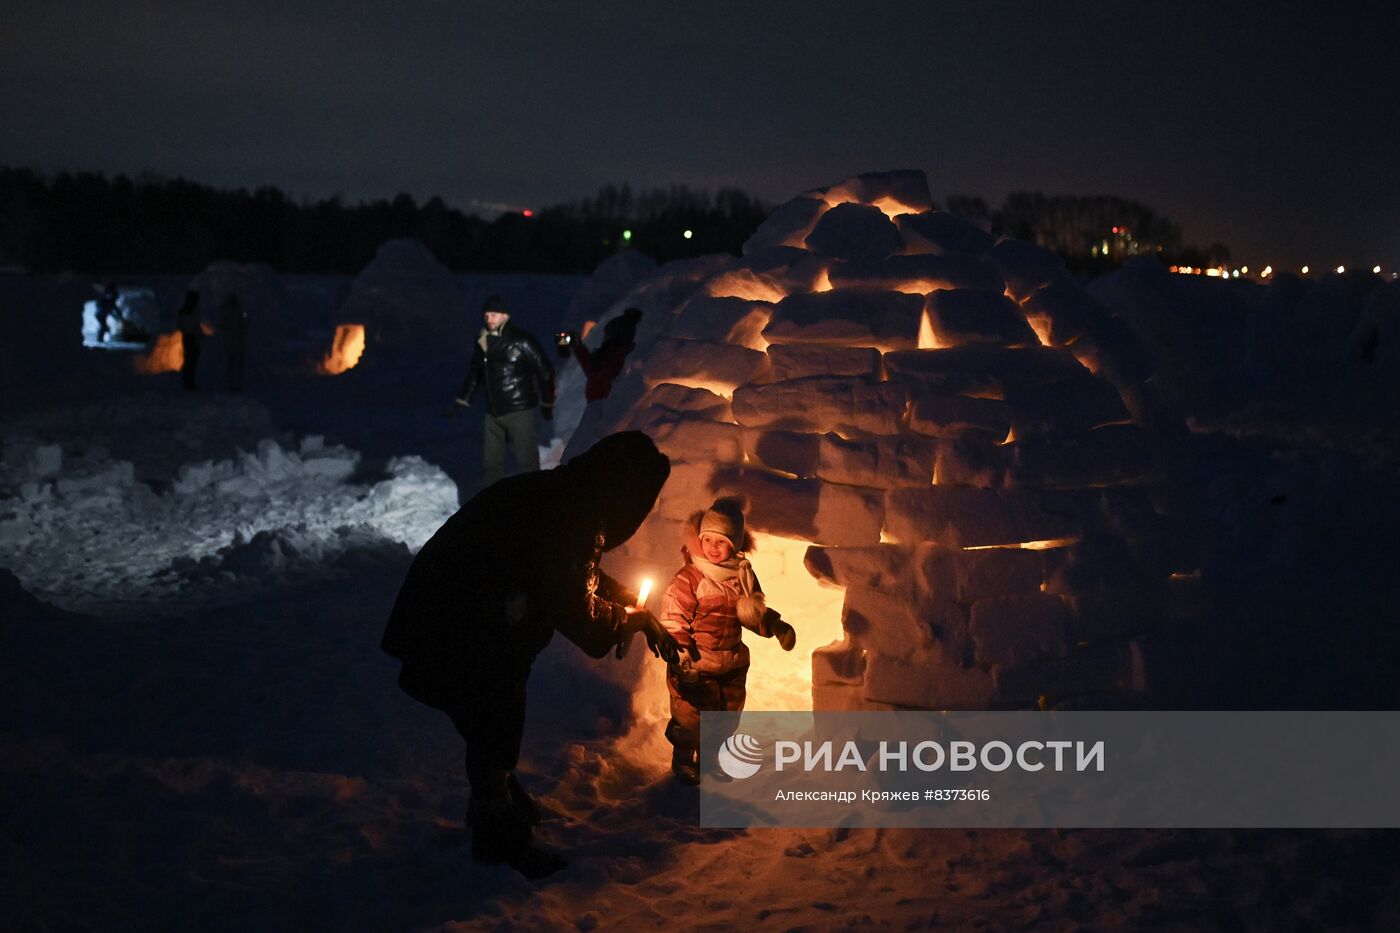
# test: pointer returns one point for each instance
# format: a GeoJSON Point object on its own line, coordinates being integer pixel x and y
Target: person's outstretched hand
{"type": "Point", "coordinates": [660, 641]}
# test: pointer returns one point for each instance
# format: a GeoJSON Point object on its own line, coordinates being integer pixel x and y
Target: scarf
{"type": "Point", "coordinates": [734, 568]}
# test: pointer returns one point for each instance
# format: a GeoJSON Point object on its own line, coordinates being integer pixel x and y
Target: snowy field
{"type": "Point", "coordinates": [200, 732]}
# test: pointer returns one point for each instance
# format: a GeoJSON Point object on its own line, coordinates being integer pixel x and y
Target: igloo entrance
{"type": "Point", "coordinates": [943, 440]}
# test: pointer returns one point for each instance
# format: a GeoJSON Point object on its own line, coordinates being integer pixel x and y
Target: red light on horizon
{"type": "Point", "coordinates": [527, 213]}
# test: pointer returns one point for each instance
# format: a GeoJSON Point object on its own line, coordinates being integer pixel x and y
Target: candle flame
{"type": "Point", "coordinates": [646, 591]}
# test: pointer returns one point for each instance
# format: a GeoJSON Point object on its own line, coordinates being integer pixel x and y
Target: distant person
{"type": "Point", "coordinates": [233, 328]}
{"type": "Point", "coordinates": [108, 314]}
{"type": "Point", "coordinates": [519, 379]}
{"type": "Point", "coordinates": [191, 336]}
{"type": "Point", "coordinates": [485, 595]}
{"type": "Point", "coordinates": [603, 365]}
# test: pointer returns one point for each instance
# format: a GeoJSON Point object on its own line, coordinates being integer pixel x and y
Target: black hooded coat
{"type": "Point", "coordinates": [515, 564]}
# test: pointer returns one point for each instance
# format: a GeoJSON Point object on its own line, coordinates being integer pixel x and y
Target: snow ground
{"type": "Point", "coordinates": [200, 732]}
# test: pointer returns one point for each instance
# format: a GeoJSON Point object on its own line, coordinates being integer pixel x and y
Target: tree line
{"type": "Point", "coordinates": [89, 223]}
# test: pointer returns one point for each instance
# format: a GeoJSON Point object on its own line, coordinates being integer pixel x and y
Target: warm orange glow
{"type": "Point", "coordinates": [1041, 325]}
{"type": "Point", "coordinates": [586, 329]}
{"type": "Point", "coordinates": [1028, 545]}
{"type": "Point", "coordinates": [989, 392]}
{"type": "Point", "coordinates": [644, 592]}
{"type": "Point", "coordinates": [778, 679]}
{"type": "Point", "coordinates": [928, 340]}
{"type": "Point", "coordinates": [167, 355]}
{"type": "Point", "coordinates": [893, 207]}
{"type": "Point", "coordinates": [722, 389]}
{"type": "Point", "coordinates": [1010, 436]}
{"type": "Point", "coordinates": [346, 349]}
{"type": "Point", "coordinates": [745, 284]}
{"type": "Point", "coordinates": [208, 329]}
{"type": "Point", "coordinates": [823, 283]}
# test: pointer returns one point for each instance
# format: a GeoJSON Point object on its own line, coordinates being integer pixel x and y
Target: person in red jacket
{"type": "Point", "coordinates": [603, 365]}
{"type": "Point", "coordinates": [707, 604]}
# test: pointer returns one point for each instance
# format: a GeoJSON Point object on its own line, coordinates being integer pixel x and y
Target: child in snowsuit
{"type": "Point", "coordinates": [708, 603]}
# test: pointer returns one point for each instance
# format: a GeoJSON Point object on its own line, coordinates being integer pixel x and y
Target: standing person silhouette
{"type": "Point", "coordinates": [519, 378]}
{"type": "Point", "coordinates": [191, 337]}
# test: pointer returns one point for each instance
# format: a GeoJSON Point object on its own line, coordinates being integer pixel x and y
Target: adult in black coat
{"type": "Point", "coordinates": [518, 378]}
{"type": "Point", "coordinates": [489, 590]}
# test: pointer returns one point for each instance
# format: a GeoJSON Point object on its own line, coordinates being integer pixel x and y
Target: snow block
{"type": "Point", "coordinates": [697, 403]}
{"type": "Point", "coordinates": [826, 514]}
{"type": "Point", "coordinates": [967, 315]}
{"type": "Point", "coordinates": [842, 698]}
{"type": "Point", "coordinates": [784, 451]}
{"type": "Point", "coordinates": [1062, 312]}
{"type": "Point", "coordinates": [685, 437]}
{"type": "Point", "coordinates": [787, 268]}
{"type": "Point", "coordinates": [855, 232]}
{"type": "Point", "coordinates": [1016, 630]}
{"type": "Point", "coordinates": [883, 462]}
{"type": "Point", "coordinates": [917, 274]}
{"type": "Point", "coordinates": [849, 516]}
{"type": "Point", "coordinates": [1115, 453]}
{"type": "Point", "coordinates": [938, 232]}
{"type": "Point", "coordinates": [958, 516]}
{"type": "Point", "coordinates": [725, 320]}
{"type": "Point", "coordinates": [702, 364]}
{"type": "Point", "coordinates": [980, 369]}
{"type": "Point", "coordinates": [690, 486]}
{"type": "Point", "coordinates": [884, 621]}
{"type": "Point", "coordinates": [838, 663]}
{"type": "Point", "coordinates": [818, 404]}
{"type": "Point", "coordinates": [1110, 615]}
{"type": "Point", "coordinates": [851, 317]}
{"type": "Point", "coordinates": [1111, 349]}
{"type": "Point", "coordinates": [998, 572]}
{"type": "Point", "coordinates": [1026, 267]}
{"type": "Point", "coordinates": [1072, 405]}
{"type": "Point", "coordinates": [928, 679]}
{"type": "Point", "coordinates": [968, 576]}
{"type": "Point", "coordinates": [881, 565]}
{"type": "Point", "coordinates": [1081, 673]}
{"type": "Point", "coordinates": [972, 460]}
{"type": "Point", "coordinates": [788, 225]}
{"type": "Point", "coordinates": [794, 360]}
{"type": "Point", "coordinates": [955, 416]}
{"type": "Point", "coordinates": [897, 192]}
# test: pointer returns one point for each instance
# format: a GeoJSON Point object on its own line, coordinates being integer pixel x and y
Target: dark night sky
{"type": "Point", "coordinates": [1272, 127]}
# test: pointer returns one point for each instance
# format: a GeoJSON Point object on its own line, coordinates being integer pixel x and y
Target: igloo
{"type": "Point", "coordinates": [947, 447]}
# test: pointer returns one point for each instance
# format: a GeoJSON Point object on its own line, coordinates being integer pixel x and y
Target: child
{"type": "Point", "coordinates": [707, 602]}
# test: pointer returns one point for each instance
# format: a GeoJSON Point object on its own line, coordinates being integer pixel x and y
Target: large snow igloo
{"type": "Point", "coordinates": [944, 443]}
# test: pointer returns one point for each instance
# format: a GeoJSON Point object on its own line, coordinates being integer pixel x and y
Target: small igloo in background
{"type": "Point", "coordinates": [946, 446]}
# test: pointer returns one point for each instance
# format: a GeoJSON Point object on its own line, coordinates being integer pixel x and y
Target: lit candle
{"type": "Point", "coordinates": [646, 591]}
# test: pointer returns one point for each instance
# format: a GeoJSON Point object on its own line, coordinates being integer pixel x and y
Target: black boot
{"type": "Point", "coordinates": [520, 800]}
{"type": "Point", "coordinates": [502, 834]}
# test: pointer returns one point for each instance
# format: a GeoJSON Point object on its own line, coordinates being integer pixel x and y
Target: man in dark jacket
{"type": "Point", "coordinates": [518, 377]}
{"type": "Point", "coordinates": [489, 590]}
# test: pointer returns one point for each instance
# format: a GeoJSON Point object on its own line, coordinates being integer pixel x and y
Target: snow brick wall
{"type": "Point", "coordinates": [962, 434]}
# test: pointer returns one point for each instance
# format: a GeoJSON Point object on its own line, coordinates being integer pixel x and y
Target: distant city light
{"type": "Point", "coordinates": [1244, 269]}
{"type": "Point", "coordinates": [1341, 269]}
{"type": "Point", "coordinates": [627, 234]}
{"type": "Point", "coordinates": [1305, 270]}
{"type": "Point", "coordinates": [688, 234]}
{"type": "Point", "coordinates": [528, 213]}
{"type": "Point", "coordinates": [1377, 270]}
{"type": "Point", "coordinates": [1268, 271]}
